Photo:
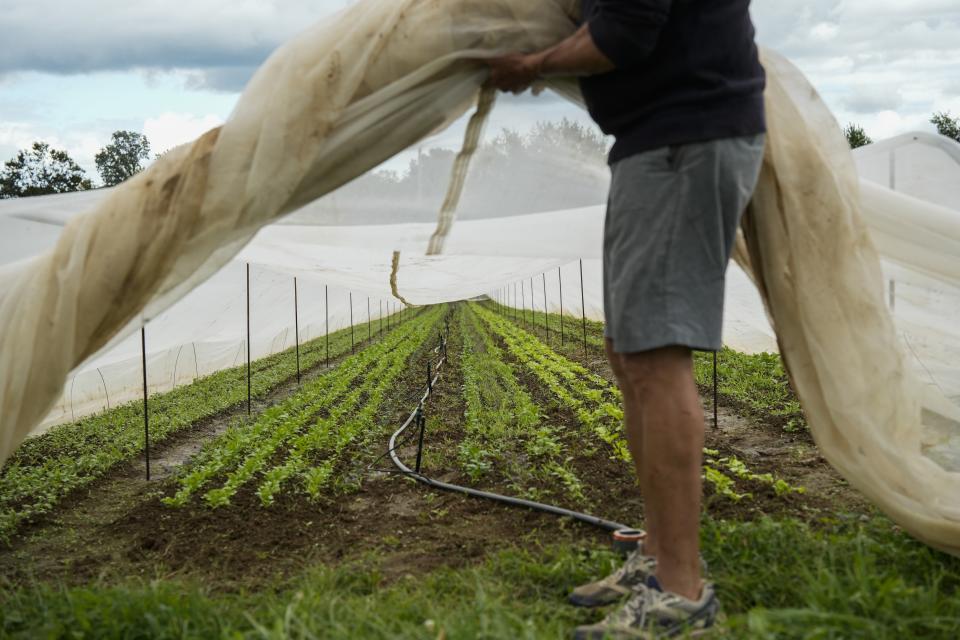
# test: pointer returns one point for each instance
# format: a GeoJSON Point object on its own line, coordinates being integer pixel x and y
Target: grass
{"type": "Point", "coordinates": [776, 579]}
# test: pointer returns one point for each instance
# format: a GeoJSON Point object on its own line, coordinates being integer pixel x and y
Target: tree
{"type": "Point", "coordinates": [41, 170]}
{"type": "Point", "coordinates": [121, 159]}
{"type": "Point", "coordinates": [856, 136]}
{"type": "Point", "coordinates": [946, 124]}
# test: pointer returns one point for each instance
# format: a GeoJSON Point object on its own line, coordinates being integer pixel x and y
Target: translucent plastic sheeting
{"type": "Point", "coordinates": [919, 164]}
{"type": "Point", "coordinates": [206, 332]}
{"type": "Point", "coordinates": [376, 79]}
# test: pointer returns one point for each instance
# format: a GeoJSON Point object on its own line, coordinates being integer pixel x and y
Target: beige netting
{"type": "Point", "coordinates": [374, 80]}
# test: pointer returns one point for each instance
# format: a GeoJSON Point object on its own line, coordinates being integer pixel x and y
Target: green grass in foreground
{"type": "Point", "coordinates": [777, 579]}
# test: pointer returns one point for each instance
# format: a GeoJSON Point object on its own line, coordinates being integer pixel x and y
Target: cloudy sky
{"type": "Point", "coordinates": [73, 72]}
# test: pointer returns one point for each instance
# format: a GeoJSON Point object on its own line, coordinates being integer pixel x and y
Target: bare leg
{"type": "Point", "coordinates": [634, 433]}
{"type": "Point", "coordinates": [671, 451]}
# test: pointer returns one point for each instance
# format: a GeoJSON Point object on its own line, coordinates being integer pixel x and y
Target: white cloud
{"type": "Point", "coordinates": [170, 129]}
{"type": "Point", "coordinates": [94, 35]}
{"type": "Point", "coordinates": [885, 64]}
{"type": "Point", "coordinates": [873, 99]}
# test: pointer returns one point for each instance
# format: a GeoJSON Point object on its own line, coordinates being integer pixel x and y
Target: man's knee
{"type": "Point", "coordinates": [656, 370]}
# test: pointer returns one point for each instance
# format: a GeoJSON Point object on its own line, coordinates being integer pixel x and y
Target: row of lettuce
{"type": "Point", "coordinates": [71, 456]}
{"type": "Point", "coordinates": [755, 384]}
{"type": "Point", "coordinates": [297, 444]}
{"type": "Point", "coordinates": [504, 428]}
{"type": "Point", "coordinates": [597, 403]}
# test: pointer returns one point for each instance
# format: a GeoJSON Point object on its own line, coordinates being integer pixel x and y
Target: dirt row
{"type": "Point", "coordinates": [119, 528]}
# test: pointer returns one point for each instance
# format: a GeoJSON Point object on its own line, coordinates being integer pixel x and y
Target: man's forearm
{"type": "Point", "coordinates": [578, 55]}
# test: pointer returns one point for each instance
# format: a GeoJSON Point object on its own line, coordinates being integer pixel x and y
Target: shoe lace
{"type": "Point", "coordinates": [632, 613]}
{"type": "Point", "coordinates": [635, 563]}
{"type": "Point", "coordinates": [636, 612]}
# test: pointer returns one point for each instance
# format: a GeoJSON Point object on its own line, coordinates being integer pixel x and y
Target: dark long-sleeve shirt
{"type": "Point", "coordinates": [686, 71]}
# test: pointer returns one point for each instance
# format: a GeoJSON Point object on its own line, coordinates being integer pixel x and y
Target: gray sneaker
{"type": "Point", "coordinates": [652, 614]}
{"type": "Point", "coordinates": [617, 585]}
{"type": "Point", "coordinates": [621, 583]}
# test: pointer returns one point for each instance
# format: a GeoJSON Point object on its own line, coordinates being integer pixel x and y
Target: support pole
{"type": "Point", "coordinates": [715, 421]}
{"type": "Point", "coordinates": [523, 302]}
{"type": "Point", "coordinates": [546, 320]}
{"type": "Point", "coordinates": [583, 310]}
{"type": "Point", "coordinates": [560, 282]}
{"type": "Point", "coordinates": [326, 313]}
{"type": "Point", "coordinates": [422, 422]}
{"type": "Point", "coordinates": [380, 317]}
{"type": "Point", "coordinates": [351, 322]}
{"type": "Point", "coordinates": [248, 340]}
{"type": "Point", "coordinates": [368, 318]}
{"type": "Point", "coordinates": [146, 414]}
{"type": "Point", "coordinates": [296, 326]}
{"type": "Point", "coordinates": [429, 378]}
{"type": "Point", "coordinates": [533, 309]}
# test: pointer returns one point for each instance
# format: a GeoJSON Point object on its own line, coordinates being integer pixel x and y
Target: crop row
{"type": "Point", "coordinates": [302, 437]}
{"type": "Point", "coordinates": [504, 426]}
{"type": "Point", "coordinates": [552, 325]}
{"type": "Point", "coordinates": [756, 384]}
{"type": "Point", "coordinates": [68, 457]}
{"type": "Point", "coordinates": [596, 403]}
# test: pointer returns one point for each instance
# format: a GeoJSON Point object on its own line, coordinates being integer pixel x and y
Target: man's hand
{"type": "Point", "coordinates": [575, 56]}
{"type": "Point", "coordinates": [515, 72]}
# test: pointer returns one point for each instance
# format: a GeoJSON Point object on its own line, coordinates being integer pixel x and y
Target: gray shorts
{"type": "Point", "coordinates": [671, 222]}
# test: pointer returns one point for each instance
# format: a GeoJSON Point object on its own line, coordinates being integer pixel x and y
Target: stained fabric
{"type": "Point", "coordinates": [380, 76]}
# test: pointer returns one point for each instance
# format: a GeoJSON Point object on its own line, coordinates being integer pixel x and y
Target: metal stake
{"type": "Point", "coordinates": [523, 300]}
{"type": "Point", "coordinates": [715, 421]}
{"type": "Point", "coordinates": [429, 379]}
{"type": "Point", "coordinates": [533, 309]}
{"type": "Point", "coordinates": [380, 317]}
{"type": "Point", "coordinates": [351, 322]}
{"type": "Point", "coordinates": [423, 423]}
{"type": "Point", "coordinates": [560, 281]}
{"type": "Point", "coordinates": [326, 313]}
{"type": "Point", "coordinates": [546, 322]}
{"type": "Point", "coordinates": [248, 339]}
{"type": "Point", "coordinates": [146, 414]}
{"type": "Point", "coordinates": [368, 318]}
{"type": "Point", "coordinates": [296, 327]}
{"type": "Point", "coordinates": [583, 310]}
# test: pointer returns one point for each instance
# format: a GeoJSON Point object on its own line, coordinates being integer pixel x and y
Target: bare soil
{"type": "Point", "coordinates": [118, 528]}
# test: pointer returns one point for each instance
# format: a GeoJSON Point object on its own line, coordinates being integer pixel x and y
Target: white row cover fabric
{"type": "Point", "coordinates": [382, 75]}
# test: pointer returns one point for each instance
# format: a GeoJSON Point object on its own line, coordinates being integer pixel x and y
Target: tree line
{"type": "Point", "coordinates": [946, 124]}
{"type": "Point", "coordinates": [500, 173]}
{"type": "Point", "coordinates": [42, 170]}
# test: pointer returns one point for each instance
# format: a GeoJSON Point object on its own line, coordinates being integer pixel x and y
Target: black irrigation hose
{"type": "Point", "coordinates": [608, 525]}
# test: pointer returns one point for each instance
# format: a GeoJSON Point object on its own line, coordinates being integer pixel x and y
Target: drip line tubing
{"type": "Point", "coordinates": [607, 525]}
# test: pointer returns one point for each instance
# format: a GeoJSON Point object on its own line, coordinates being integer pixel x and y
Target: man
{"type": "Point", "coordinates": [680, 87]}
